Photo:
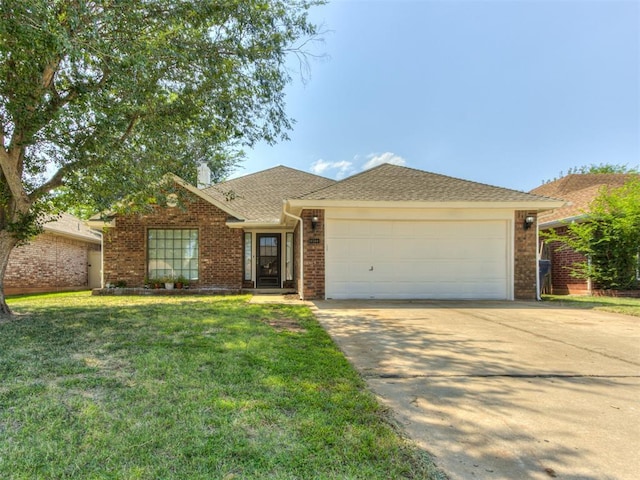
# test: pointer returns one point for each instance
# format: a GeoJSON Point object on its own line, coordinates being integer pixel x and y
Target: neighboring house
{"type": "Point", "coordinates": [388, 232]}
{"type": "Point", "coordinates": [578, 190]}
{"type": "Point", "coordinates": [65, 256]}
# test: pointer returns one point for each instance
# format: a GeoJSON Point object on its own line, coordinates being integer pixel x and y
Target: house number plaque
{"type": "Point", "coordinates": [314, 240]}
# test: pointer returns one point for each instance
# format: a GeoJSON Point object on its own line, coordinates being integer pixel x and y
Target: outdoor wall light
{"type": "Point", "coordinates": [529, 220]}
{"type": "Point", "coordinates": [314, 222]}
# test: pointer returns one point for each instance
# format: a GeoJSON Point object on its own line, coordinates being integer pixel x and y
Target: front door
{"type": "Point", "coordinates": [268, 261]}
{"type": "Point", "coordinates": [94, 269]}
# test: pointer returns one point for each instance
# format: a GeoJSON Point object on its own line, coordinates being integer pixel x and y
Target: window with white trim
{"type": "Point", "coordinates": [247, 256]}
{"type": "Point", "coordinates": [289, 257]}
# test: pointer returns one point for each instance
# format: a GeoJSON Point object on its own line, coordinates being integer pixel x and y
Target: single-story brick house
{"type": "Point", "coordinates": [389, 232]}
{"type": "Point", "coordinates": [578, 191]}
{"type": "Point", "coordinates": [65, 256]}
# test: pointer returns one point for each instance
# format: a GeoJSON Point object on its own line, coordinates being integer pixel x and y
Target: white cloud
{"type": "Point", "coordinates": [387, 157]}
{"type": "Point", "coordinates": [319, 166]}
{"type": "Point", "coordinates": [340, 169]}
{"type": "Point", "coordinates": [344, 168]}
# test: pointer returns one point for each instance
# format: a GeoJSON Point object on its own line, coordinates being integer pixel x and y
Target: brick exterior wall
{"type": "Point", "coordinates": [562, 259]}
{"type": "Point", "coordinates": [220, 247]}
{"type": "Point", "coordinates": [314, 261]}
{"type": "Point", "coordinates": [48, 263]}
{"type": "Point", "coordinates": [525, 257]}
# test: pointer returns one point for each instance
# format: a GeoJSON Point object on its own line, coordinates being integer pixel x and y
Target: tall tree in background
{"type": "Point", "coordinates": [593, 168]}
{"type": "Point", "coordinates": [100, 98]}
{"type": "Point", "coordinates": [603, 168]}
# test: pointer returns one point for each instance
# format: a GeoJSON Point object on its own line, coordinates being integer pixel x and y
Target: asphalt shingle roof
{"type": "Point", "coordinates": [395, 183]}
{"type": "Point", "coordinates": [578, 190]}
{"type": "Point", "coordinates": [259, 196]}
{"type": "Point", "coordinates": [67, 224]}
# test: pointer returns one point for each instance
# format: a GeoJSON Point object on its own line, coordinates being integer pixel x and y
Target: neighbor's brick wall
{"type": "Point", "coordinates": [562, 259]}
{"type": "Point", "coordinates": [221, 248]}
{"type": "Point", "coordinates": [48, 263]}
{"type": "Point", "coordinates": [314, 271]}
{"type": "Point", "coordinates": [525, 258]}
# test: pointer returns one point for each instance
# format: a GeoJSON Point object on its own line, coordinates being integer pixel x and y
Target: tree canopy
{"type": "Point", "coordinates": [597, 168]}
{"type": "Point", "coordinates": [101, 98]}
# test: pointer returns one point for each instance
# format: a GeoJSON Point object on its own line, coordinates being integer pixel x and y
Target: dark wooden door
{"type": "Point", "coordinates": [268, 256]}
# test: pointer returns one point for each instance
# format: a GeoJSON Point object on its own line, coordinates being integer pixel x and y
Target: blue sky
{"type": "Point", "coordinates": [503, 92]}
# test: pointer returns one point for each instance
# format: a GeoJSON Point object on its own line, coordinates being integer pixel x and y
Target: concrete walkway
{"type": "Point", "coordinates": [277, 299]}
{"type": "Point", "coordinates": [502, 390]}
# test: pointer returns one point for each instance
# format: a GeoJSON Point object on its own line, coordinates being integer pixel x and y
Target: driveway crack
{"type": "Point", "coordinates": [547, 337]}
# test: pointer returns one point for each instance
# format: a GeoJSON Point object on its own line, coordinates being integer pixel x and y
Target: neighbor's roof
{"type": "Point", "coordinates": [578, 190]}
{"type": "Point", "coordinates": [259, 196]}
{"type": "Point", "coordinates": [401, 184]}
{"type": "Point", "coordinates": [71, 226]}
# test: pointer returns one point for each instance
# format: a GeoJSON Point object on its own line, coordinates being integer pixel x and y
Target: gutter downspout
{"type": "Point", "coordinates": [101, 259]}
{"type": "Point", "coordinates": [301, 284]}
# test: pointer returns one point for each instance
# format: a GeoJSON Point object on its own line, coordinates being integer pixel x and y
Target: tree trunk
{"type": "Point", "coordinates": [7, 242]}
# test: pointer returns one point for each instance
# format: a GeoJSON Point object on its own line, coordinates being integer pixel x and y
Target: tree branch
{"type": "Point", "coordinates": [49, 73]}
{"type": "Point", "coordinates": [132, 123]}
{"type": "Point", "coordinates": [57, 180]}
{"type": "Point", "coordinates": [54, 182]}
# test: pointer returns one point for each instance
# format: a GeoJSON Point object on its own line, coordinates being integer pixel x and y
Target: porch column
{"type": "Point", "coordinates": [313, 255]}
{"type": "Point", "coordinates": [525, 251]}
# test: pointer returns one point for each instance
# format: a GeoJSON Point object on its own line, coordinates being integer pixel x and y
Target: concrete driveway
{"type": "Point", "coordinates": [502, 390]}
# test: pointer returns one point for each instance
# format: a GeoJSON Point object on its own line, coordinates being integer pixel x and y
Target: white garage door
{"type": "Point", "coordinates": [417, 259]}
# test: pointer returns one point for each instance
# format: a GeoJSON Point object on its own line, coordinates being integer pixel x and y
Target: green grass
{"type": "Point", "coordinates": [186, 388]}
{"type": "Point", "coordinates": [627, 306]}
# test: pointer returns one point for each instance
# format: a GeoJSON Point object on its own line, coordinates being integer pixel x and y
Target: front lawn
{"type": "Point", "coordinates": [185, 388]}
{"type": "Point", "coordinates": [627, 306]}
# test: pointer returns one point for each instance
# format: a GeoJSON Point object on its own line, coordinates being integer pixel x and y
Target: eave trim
{"type": "Point", "coordinates": [539, 206]}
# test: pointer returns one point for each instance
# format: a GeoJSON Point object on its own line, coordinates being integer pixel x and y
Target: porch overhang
{"type": "Point", "coordinates": [247, 225]}
{"type": "Point", "coordinates": [563, 222]}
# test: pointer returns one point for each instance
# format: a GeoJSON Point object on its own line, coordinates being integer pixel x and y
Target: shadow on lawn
{"type": "Point", "coordinates": [153, 376]}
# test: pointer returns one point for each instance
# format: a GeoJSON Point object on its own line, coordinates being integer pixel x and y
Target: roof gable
{"type": "Point", "coordinates": [402, 184]}
{"type": "Point", "coordinates": [106, 219]}
{"type": "Point", "coordinates": [259, 196]}
{"type": "Point", "coordinates": [208, 198]}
